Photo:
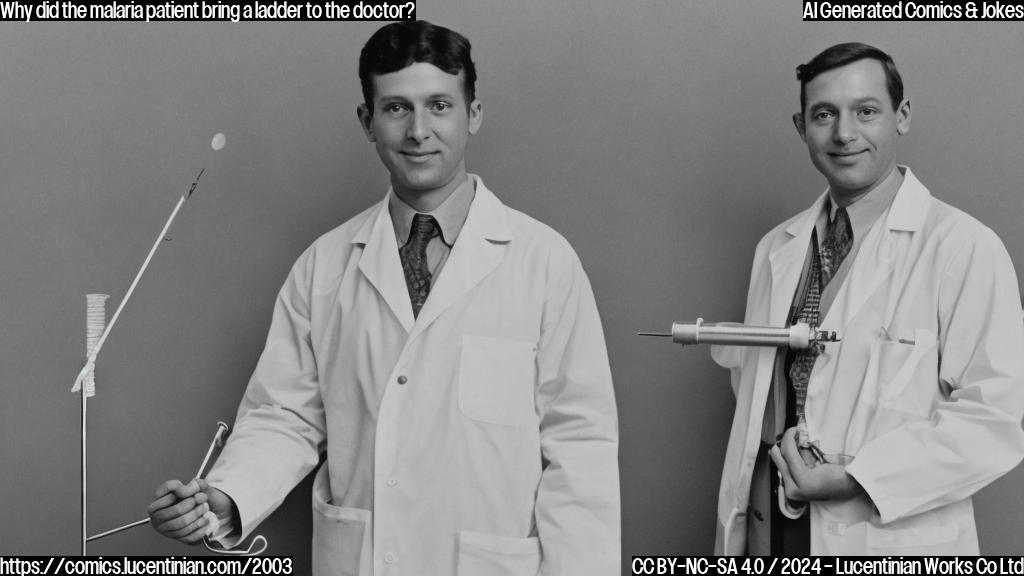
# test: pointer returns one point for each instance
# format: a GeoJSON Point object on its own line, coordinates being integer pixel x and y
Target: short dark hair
{"type": "Point", "coordinates": [402, 44]}
{"type": "Point", "coordinates": [843, 54]}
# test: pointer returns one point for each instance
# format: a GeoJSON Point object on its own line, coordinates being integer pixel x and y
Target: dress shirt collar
{"type": "Point", "coordinates": [450, 215]}
{"type": "Point", "coordinates": [865, 210]}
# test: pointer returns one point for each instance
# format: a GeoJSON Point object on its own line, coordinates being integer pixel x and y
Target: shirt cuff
{"type": "Point", "coordinates": [224, 533]}
{"type": "Point", "coordinates": [788, 510]}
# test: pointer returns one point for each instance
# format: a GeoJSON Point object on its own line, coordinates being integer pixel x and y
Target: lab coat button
{"type": "Point", "coordinates": [390, 558]}
{"type": "Point", "coordinates": [402, 379]}
{"type": "Point", "coordinates": [392, 482]}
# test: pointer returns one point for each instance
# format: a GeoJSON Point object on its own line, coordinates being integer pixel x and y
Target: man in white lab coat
{"type": "Point", "coordinates": [873, 445]}
{"type": "Point", "coordinates": [443, 350]}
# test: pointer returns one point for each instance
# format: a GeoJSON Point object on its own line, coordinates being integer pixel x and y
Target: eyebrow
{"type": "Point", "coordinates": [429, 97]}
{"type": "Point", "coordinates": [857, 102]}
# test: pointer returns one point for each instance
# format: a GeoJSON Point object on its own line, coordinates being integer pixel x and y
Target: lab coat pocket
{"type": "Point", "coordinates": [342, 537]}
{"type": "Point", "coordinates": [902, 373]}
{"type": "Point", "coordinates": [907, 377]}
{"type": "Point", "coordinates": [491, 555]}
{"type": "Point", "coordinates": [496, 381]}
{"type": "Point", "coordinates": [901, 384]}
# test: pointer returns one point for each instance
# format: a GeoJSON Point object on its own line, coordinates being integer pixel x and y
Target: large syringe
{"type": "Point", "coordinates": [797, 336]}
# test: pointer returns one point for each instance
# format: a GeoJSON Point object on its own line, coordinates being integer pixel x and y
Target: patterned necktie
{"type": "Point", "coordinates": [414, 259]}
{"type": "Point", "coordinates": [824, 263]}
{"type": "Point", "coordinates": [838, 240]}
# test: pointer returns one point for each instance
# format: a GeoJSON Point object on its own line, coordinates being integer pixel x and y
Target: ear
{"type": "Point", "coordinates": [798, 122]}
{"type": "Point", "coordinates": [366, 121]}
{"type": "Point", "coordinates": [903, 117]}
{"type": "Point", "coordinates": [476, 115]}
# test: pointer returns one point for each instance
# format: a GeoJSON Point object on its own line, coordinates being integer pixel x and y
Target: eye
{"type": "Point", "coordinates": [395, 109]}
{"type": "Point", "coordinates": [867, 113]}
{"type": "Point", "coordinates": [822, 116]}
{"type": "Point", "coordinates": [440, 106]}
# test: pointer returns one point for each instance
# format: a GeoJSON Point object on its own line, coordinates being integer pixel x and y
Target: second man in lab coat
{"type": "Point", "coordinates": [873, 445]}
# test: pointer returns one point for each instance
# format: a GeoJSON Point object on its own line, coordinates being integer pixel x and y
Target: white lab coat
{"type": "Point", "coordinates": [480, 438]}
{"type": "Point", "coordinates": [925, 392]}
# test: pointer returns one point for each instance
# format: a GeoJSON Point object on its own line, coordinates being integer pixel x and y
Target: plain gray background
{"type": "Point", "coordinates": [654, 135]}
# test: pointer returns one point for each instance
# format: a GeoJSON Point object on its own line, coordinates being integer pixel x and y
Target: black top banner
{"type": "Point", "coordinates": [207, 10]}
{"type": "Point", "coordinates": [900, 10]}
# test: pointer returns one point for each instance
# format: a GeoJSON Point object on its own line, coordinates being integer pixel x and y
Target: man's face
{"type": "Point", "coordinates": [420, 124]}
{"type": "Point", "coordinates": [850, 127]}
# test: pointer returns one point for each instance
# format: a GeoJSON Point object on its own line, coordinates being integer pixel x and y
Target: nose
{"type": "Point", "coordinates": [844, 130]}
{"type": "Point", "coordinates": [418, 129]}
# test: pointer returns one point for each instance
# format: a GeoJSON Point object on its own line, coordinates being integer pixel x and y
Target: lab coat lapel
{"type": "Point", "coordinates": [788, 261]}
{"type": "Point", "coordinates": [381, 265]}
{"type": "Point", "coordinates": [876, 257]}
{"type": "Point", "coordinates": [478, 250]}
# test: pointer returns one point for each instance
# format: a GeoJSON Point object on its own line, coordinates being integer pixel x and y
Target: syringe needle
{"type": "Point", "coordinates": [658, 334]}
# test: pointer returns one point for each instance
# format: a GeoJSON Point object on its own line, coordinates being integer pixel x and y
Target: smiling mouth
{"type": "Point", "coordinates": [846, 158]}
{"type": "Point", "coordinates": [419, 156]}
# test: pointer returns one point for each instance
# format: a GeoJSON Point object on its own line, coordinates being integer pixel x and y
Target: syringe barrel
{"type": "Point", "coordinates": [797, 336]}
